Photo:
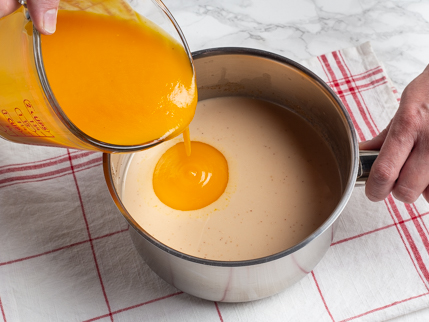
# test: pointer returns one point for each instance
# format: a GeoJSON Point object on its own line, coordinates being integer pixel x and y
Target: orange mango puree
{"type": "Point", "coordinates": [190, 182]}
{"type": "Point", "coordinates": [122, 82]}
{"type": "Point", "coordinates": [125, 82]}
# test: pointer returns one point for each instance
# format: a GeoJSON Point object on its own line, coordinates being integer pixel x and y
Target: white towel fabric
{"type": "Point", "coordinates": [66, 255]}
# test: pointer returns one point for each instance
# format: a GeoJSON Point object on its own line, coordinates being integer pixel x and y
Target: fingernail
{"type": "Point", "coordinates": [50, 21]}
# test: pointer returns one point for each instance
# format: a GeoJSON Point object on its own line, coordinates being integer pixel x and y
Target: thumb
{"type": "Point", "coordinates": [7, 7]}
{"type": "Point", "coordinates": [376, 142]}
{"type": "Point", "coordinates": [43, 13]}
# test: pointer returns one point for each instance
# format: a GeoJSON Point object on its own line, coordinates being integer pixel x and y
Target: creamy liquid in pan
{"type": "Point", "coordinates": [283, 184]}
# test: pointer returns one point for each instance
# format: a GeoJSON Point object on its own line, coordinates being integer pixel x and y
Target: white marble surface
{"type": "Point", "coordinates": [300, 29]}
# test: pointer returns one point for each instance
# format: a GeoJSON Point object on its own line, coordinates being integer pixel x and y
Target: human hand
{"type": "Point", "coordinates": [43, 13]}
{"type": "Point", "coordinates": [402, 166]}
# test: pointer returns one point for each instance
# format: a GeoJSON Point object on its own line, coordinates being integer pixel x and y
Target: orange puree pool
{"type": "Point", "coordinates": [190, 182]}
{"type": "Point", "coordinates": [122, 82]}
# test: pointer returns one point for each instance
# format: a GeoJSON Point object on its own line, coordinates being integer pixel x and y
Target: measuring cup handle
{"type": "Point", "coordinates": [366, 159]}
{"type": "Point", "coordinates": [26, 12]}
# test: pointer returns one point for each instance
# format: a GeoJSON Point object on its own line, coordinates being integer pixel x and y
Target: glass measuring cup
{"type": "Point", "coordinates": [30, 111]}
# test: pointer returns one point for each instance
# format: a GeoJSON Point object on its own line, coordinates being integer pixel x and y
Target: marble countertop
{"type": "Point", "coordinates": [398, 31]}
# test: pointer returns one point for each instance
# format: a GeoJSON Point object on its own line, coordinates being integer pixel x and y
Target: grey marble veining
{"type": "Point", "coordinates": [299, 29]}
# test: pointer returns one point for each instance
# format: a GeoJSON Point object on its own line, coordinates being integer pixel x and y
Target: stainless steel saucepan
{"type": "Point", "coordinates": [266, 76]}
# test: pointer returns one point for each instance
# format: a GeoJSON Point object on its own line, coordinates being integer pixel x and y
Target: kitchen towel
{"type": "Point", "coordinates": [66, 254]}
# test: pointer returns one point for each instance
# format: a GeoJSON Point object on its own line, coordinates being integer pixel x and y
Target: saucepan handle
{"type": "Point", "coordinates": [366, 159]}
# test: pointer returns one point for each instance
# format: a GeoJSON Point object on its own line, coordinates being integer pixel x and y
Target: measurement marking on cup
{"type": "Point", "coordinates": [25, 124]}
{"type": "Point", "coordinates": [45, 131]}
{"type": "Point", "coordinates": [36, 119]}
{"type": "Point", "coordinates": [13, 127]}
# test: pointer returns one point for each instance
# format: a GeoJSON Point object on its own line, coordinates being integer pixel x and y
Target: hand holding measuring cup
{"type": "Point", "coordinates": [43, 13]}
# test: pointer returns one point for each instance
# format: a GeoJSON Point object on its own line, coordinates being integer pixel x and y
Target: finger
{"type": "Point", "coordinates": [414, 176]}
{"type": "Point", "coordinates": [393, 154]}
{"type": "Point", "coordinates": [376, 142]}
{"type": "Point", "coordinates": [7, 7]}
{"type": "Point", "coordinates": [43, 13]}
{"type": "Point", "coordinates": [426, 194]}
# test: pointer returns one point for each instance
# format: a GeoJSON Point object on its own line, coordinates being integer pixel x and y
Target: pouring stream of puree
{"type": "Point", "coordinates": [127, 82]}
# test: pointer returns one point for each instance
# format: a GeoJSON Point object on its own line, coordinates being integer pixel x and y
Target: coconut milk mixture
{"type": "Point", "coordinates": [283, 184]}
